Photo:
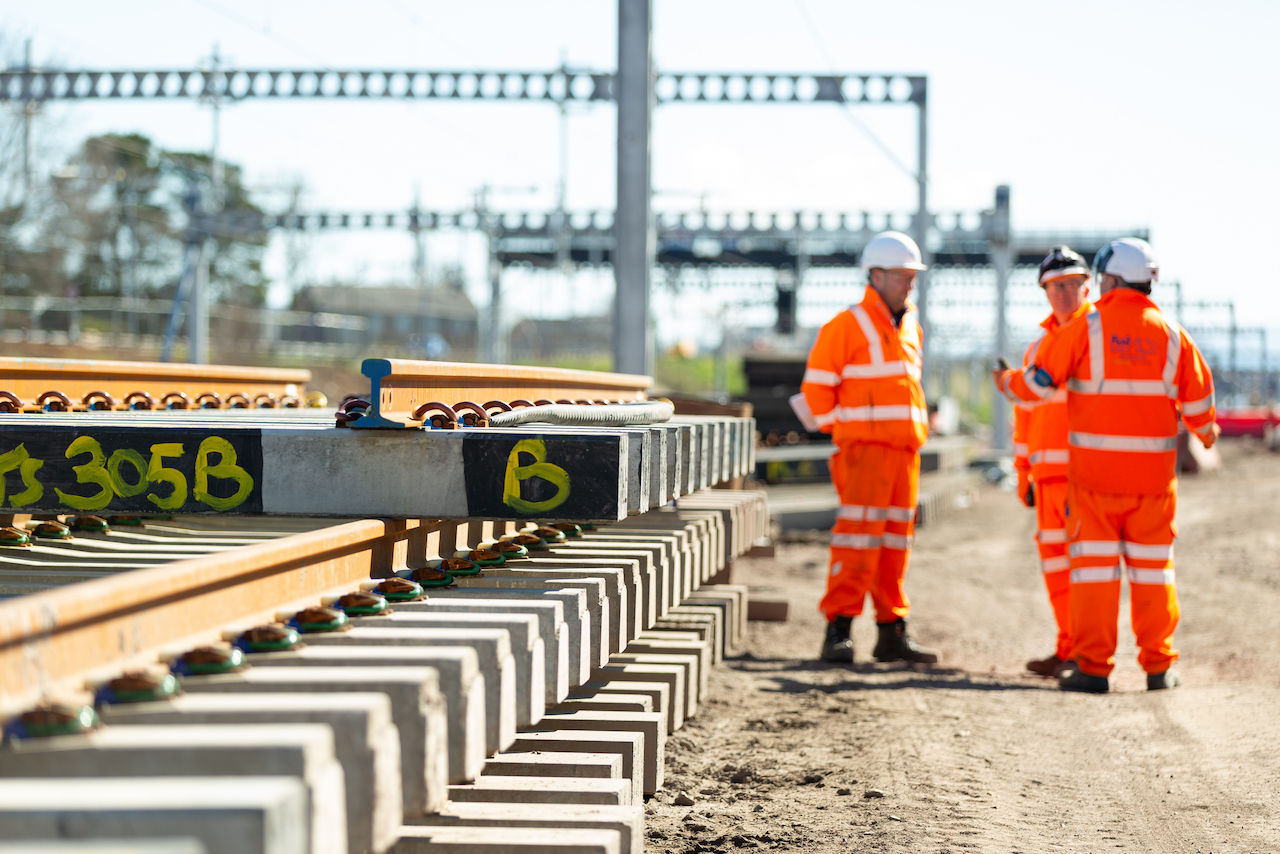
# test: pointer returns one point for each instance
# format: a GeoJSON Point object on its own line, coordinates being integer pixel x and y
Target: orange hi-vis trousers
{"type": "Point", "coordinates": [871, 540]}
{"type": "Point", "coordinates": [1101, 529]}
{"type": "Point", "coordinates": [1055, 566]}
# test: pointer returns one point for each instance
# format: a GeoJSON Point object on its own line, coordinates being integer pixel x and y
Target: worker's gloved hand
{"type": "Point", "coordinates": [997, 372]}
{"type": "Point", "coordinates": [1026, 492]}
{"type": "Point", "coordinates": [1213, 436]}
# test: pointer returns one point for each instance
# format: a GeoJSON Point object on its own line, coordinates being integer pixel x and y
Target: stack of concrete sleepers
{"type": "Point", "coordinates": [447, 725]}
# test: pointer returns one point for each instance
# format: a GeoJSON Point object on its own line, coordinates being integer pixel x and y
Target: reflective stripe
{"type": "Point", "coordinates": [826, 418]}
{"type": "Point", "coordinates": [1019, 449]}
{"type": "Point", "coordinates": [1095, 574]}
{"type": "Point", "coordinates": [1031, 374]}
{"type": "Point", "coordinates": [1132, 388]}
{"type": "Point", "coordinates": [1097, 360]}
{"type": "Point", "coordinates": [860, 512]}
{"type": "Point", "coordinates": [1055, 564]}
{"type": "Point", "coordinates": [1141, 444]}
{"type": "Point", "coordinates": [1059, 396]}
{"type": "Point", "coordinates": [897, 541]}
{"type": "Point", "coordinates": [1198, 407]}
{"type": "Point", "coordinates": [1093, 548]}
{"type": "Point", "coordinates": [874, 351]}
{"type": "Point", "coordinates": [897, 412]}
{"type": "Point", "coordinates": [880, 369]}
{"type": "Point", "coordinates": [1151, 576]}
{"type": "Point", "coordinates": [902, 514]}
{"type": "Point", "coordinates": [817, 377]}
{"type": "Point", "coordinates": [1144, 552]}
{"type": "Point", "coordinates": [1051, 535]}
{"type": "Point", "coordinates": [1205, 431]}
{"type": "Point", "coordinates": [1052, 455]}
{"type": "Point", "coordinates": [854, 541]}
{"type": "Point", "coordinates": [1172, 355]}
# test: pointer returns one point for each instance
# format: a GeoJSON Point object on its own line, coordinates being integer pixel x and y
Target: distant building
{"type": "Point", "coordinates": [428, 322]}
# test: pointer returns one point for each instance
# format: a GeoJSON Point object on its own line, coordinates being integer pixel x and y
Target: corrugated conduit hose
{"type": "Point", "coordinates": [604, 415]}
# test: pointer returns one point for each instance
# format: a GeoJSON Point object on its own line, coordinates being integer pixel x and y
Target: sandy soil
{"type": "Point", "coordinates": [974, 754]}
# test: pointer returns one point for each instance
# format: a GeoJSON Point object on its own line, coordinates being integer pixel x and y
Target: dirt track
{"type": "Point", "coordinates": [974, 755]}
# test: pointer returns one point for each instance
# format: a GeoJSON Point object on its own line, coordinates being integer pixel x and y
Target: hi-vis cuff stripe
{"type": "Point", "coordinates": [1019, 449]}
{"type": "Point", "coordinates": [1198, 407]}
{"type": "Point", "coordinates": [1055, 564]}
{"type": "Point", "coordinates": [817, 377]}
{"type": "Point", "coordinates": [825, 418]}
{"type": "Point", "coordinates": [897, 541]}
{"type": "Point", "coordinates": [897, 412]}
{"type": "Point", "coordinates": [1048, 536]}
{"type": "Point", "coordinates": [863, 513]}
{"type": "Point", "coordinates": [854, 541]}
{"type": "Point", "coordinates": [1139, 444]}
{"type": "Point", "coordinates": [1095, 574]}
{"type": "Point", "coordinates": [1151, 576]}
{"type": "Point", "coordinates": [1050, 456]}
{"type": "Point", "coordinates": [1205, 431]}
{"type": "Point", "coordinates": [880, 369]}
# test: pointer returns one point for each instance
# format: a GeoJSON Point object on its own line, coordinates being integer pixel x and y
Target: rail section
{"type": "Point", "coordinates": [473, 666]}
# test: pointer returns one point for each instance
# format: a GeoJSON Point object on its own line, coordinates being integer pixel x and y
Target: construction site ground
{"type": "Point", "coordinates": [975, 754]}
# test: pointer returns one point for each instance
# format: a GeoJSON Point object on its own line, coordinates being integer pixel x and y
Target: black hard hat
{"type": "Point", "coordinates": [1062, 261]}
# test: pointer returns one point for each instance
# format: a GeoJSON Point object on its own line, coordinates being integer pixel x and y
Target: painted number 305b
{"type": "Point", "coordinates": [127, 473]}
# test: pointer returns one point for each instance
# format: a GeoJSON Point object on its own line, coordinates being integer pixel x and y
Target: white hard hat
{"type": "Point", "coordinates": [892, 250]}
{"type": "Point", "coordinates": [1129, 259]}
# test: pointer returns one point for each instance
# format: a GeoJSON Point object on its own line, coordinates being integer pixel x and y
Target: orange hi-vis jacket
{"type": "Point", "coordinates": [1128, 371]}
{"type": "Point", "coordinates": [862, 381]}
{"type": "Point", "coordinates": [1040, 428]}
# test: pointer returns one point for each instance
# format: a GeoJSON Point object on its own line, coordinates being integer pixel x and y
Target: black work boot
{"type": "Point", "coordinates": [1075, 679]}
{"type": "Point", "coordinates": [895, 644]}
{"type": "Point", "coordinates": [1161, 681]}
{"type": "Point", "coordinates": [838, 646]}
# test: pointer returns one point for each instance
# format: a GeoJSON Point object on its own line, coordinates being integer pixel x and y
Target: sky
{"type": "Point", "coordinates": [1099, 115]}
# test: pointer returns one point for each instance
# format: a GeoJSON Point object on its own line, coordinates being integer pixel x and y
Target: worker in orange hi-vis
{"type": "Point", "coordinates": [1129, 373]}
{"type": "Point", "coordinates": [1040, 449]}
{"type": "Point", "coordinates": [862, 385]}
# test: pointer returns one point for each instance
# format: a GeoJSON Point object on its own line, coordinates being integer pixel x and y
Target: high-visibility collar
{"type": "Point", "coordinates": [1123, 294]}
{"type": "Point", "coordinates": [1051, 323]}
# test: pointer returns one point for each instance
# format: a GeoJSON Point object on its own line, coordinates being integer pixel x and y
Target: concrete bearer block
{"type": "Point", "coordinates": [304, 751]}
{"type": "Point", "coordinates": [230, 815]}
{"type": "Point", "coordinates": [507, 840]}
{"type": "Point", "coordinates": [544, 790]}
{"type": "Point", "coordinates": [628, 745]}
{"type": "Point", "coordinates": [675, 677]}
{"type": "Point", "coordinates": [492, 646]}
{"type": "Point", "coordinates": [417, 709]}
{"type": "Point", "coordinates": [555, 764]}
{"type": "Point", "coordinates": [627, 821]}
{"type": "Point", "coordinates": [705, 625]}
{"type": "Point", "coordinates": [574, 613]}
{"type": "Point", "coordinates": [606, 702]}
{"type": "Point", "coordinates": [652, 724]}
{"type": "Point", "coordinates": [658, 693]}
{"type": "Point", "coordinates": [176, 845]}
{"type": "Point", "coordinates": [654, 645]}
{"type": "Point", "coordinates": [366, 744]}
{"type": "Point", "coordinates": [527, 646]}
{"type": "Point", "coordinates": [551, 626]}
{"type": "Point", "coordinates": [624, 576]}
{"type": "Point", "coordinates": [689, 663]}
{"type": "Point", "coordinates": [461, 683]}
{"type": "Point", "coordinates": [616, 602]}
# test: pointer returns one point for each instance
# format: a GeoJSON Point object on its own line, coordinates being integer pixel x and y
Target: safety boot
{"type": "Point", "coordinates": [1161, 681]}
{"type": "Point", "coordinates": [1045, 666]}
{"type": "Point", "coordinates": [1075, 679]}
{"type": "Point", "coordinates": [838, 645]}
{"type": "Point", "coordinates": [894, 644]}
